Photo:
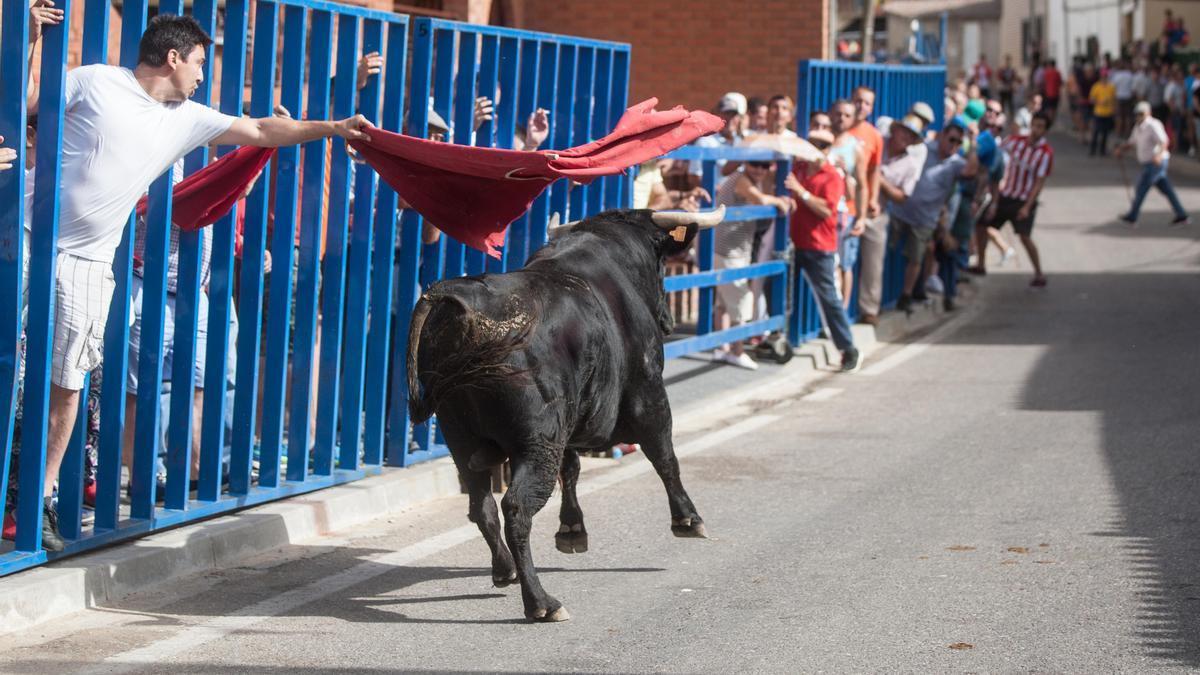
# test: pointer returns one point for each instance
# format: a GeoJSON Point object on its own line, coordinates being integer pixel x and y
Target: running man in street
{"type": "Point", "coordinates": [1149, 140]}
{"type": "Point", "coordinates": [1030, 160]}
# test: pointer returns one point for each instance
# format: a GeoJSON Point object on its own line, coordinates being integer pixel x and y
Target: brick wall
{"type": "Point", "coordinates": [692, 53]}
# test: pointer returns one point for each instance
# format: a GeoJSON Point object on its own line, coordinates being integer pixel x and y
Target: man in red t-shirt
{"type": "Point", "coordinates": [1052, 82]}
{"type": "Point", "coordinates": [818, 187]}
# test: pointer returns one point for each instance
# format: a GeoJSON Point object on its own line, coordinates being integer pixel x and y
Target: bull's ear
{"type": "Point", "coordinates": [678, 239]}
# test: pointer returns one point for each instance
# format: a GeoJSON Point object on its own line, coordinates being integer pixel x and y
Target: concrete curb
{"type": "Point", "coordinates": [40, 595]}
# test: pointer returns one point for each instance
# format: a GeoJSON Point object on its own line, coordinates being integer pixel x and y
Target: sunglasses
{"type": "Point", "coordinates": [821, 145]}
{"type": "Point", "coordinates": [760, 165]}
{"type": "Point", "coordinates": [954, 140]}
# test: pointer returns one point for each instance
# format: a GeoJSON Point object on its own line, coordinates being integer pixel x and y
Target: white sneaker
{"type": "Point", "coordinates": [742, 360]}
{"type": "Point", "coordinates": [1008, 255]}
{"type": "Point", "coordinates": [719, 354]}
{"type": "Point", "coordinates": [934, 285]}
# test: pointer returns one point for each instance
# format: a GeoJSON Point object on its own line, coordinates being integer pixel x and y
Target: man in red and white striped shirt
{"type": "Point", "coordinates": [1030, 160]}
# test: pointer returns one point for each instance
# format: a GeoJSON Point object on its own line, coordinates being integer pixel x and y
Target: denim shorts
{"type": "Point", "coordinates": [847, 247]}
{"type": "Point", "coordinates": [168, 351]}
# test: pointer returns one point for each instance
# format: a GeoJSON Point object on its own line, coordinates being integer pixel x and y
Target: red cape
{"type": "Point", "coordinates": [206, 196]}
{"type": "Point", "coordinates": [472, 193]}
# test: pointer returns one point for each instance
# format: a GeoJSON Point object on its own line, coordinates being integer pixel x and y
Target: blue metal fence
{"type": "Point", "coordinates": [774, 271]}
{"type": "Point", "coordinates": [306, 364]}
{"type": "Point", "coordinates": [897, 88]}
{"type": "Point", "coordinates": [312, 343]}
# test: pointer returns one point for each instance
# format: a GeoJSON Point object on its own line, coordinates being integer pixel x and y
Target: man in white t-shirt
{"type": "Point", "coordinates": [1149, 141]}
{"type": "Point", "coordinates": [121, 130]}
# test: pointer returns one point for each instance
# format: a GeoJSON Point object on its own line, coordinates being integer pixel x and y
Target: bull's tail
{"type": "Point", "coordinates": [419, 407]}
{"type": "Point", "coordinates": [470, 350]}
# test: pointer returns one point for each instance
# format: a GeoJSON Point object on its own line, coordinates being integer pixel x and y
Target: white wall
{"type": "Point", "coordinates": [1068, 31]}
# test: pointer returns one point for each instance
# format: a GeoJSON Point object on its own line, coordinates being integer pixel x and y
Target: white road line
{"type": "Point", "coordinates": [822, 394]}
{"type": "Point", "coordinates": [915, 349]}
{"type": "Point", "coordinates": [221, 626]}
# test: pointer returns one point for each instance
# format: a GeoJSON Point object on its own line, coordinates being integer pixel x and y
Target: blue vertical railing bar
{"type": "Point", "coordinates": [485, 136]}
{"type": "Point", "coordinates": [433, 257]}
{"type": "Point", "coordinates": [581, 132]}
{"type": "Point", "coordinates": [187, 300]}
{"type": "Point", "coordinates": [547, 98]}
{"type": "Point", "coordinates": [333, 275]}
{"type": "Point", "coordinates": [70, 475]}
{"type": "Point", "coordinates": [116, 330]}
{"type": "Point", "coordinates": [563, 123]}
{"type": "Point", "coordinates": [383, 265]}
{"type": "Point", "coordinates": [462, 124]}
{"type": "Point", "coordinates": [408, 282]}
{"type": "Point", "coordinates": [279, 295]}
{"type": "Point", "coordinates": [617, 189]}
{"type": "Point", "coordinates": [254, 241]}
{"type": "Point", "coordinates": [220, 282]}
{"type": "Point", "coordinates": [40, 324]}
{"type": "Point", "coordinates": [359, 276]}
{"type": "Point", "coordinates": [518, 79]}
{"type": "Point", "coordinates": [14, 38]}
{"type": "Point", "coordinates": [312, 216]}
{"type": "Point", "coordinates": [147, 426]}
{"type": "Point", "coordinates": [602, 81]}
{"type": "Point", "coordinates": [443, 259]}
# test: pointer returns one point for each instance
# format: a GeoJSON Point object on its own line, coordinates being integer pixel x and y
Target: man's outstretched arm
{"type": "Point", "coordinates": [274, 132]}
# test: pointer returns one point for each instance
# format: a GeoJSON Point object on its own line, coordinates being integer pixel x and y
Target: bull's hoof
{"type": "Point", "coordinates": [571, 539]}
{"type": "Point", "coordinates": [688, 527]}
{"type": "Point", "coordinates": [502, 581]}
{"type": "Point", "coordinates": [541, 615]}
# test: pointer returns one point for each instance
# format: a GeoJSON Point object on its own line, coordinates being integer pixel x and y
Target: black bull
{"type": "Point", "coordinates": [536, 365]}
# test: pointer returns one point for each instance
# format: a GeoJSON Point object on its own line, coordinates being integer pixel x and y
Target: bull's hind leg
{"type": "Point", "coordinates": [483, 513]}
{"type": "Point", "coordinates": [532, 483]}
{"type": "Point", "coordinates": [474, 457]}
{"type": "Point", "coordinates": [572, 536]}
{"type": "Point", "coordinates": [660, 450]}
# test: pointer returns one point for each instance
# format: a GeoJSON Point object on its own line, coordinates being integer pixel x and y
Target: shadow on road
{"type": "Point", "coordinates": [1126, 346]}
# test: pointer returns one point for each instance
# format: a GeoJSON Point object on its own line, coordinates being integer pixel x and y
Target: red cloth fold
{"type": "Point", "coordinates": [206, 196]}
{"type": "Point", "coordinates": [472, 193]}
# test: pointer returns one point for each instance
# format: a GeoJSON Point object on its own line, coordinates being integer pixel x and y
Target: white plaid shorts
{"type": "Point", "coordinates": [83, 293]}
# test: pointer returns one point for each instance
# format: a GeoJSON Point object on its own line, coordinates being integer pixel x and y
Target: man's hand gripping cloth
{"type": "Point", "coordinates": [472, 193]}
{"type": "Point", "coordinates": [206, 196]}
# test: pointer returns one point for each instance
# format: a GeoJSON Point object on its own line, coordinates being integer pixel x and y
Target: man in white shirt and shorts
{"type": "Point", "coordinates": [122, 129]}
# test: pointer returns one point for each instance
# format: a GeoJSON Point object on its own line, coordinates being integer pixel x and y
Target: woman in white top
{"type": "Point", "coordinates": [732, 247]}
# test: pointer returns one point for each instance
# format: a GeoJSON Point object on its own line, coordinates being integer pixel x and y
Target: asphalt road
{"type": "Point", "coordinates": [1018, 494]}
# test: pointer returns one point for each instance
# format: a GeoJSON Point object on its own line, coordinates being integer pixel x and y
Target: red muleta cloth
{"type": "Point", "coordinates": [472, 194]}
{"type": "Point", "coordinates": [206, 196]}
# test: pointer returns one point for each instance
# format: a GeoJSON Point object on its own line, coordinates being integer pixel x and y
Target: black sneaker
{"type": "Point", "coordinates": [851, 360]}
{"type": "Point", "coordinates": [1181, 221]}
{"type": "Point", "coordinates": [904, 304]}
{"type": "Point", "coordinates": [51, 539]}
{"type": "Point", "coordinates": [948, 304]}
{"type": "Point", "coordinates": [1124, 218]}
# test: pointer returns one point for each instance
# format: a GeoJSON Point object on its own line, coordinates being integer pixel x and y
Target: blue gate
{"type": "Point", "coordinates": [896, 88]}
{"type": "Point", "coordinates": [308, 353]}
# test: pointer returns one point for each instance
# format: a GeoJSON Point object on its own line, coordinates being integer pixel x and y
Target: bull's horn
{"type": "Point", "coordinates": [704, 220]}
{"type": "Point", "coordinates": [553, 229]}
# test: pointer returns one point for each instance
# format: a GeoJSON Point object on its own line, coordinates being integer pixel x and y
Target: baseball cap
{"type": "Point", "coordinates": [883, 124]}
{"type": "Point", "coordinates": [922, 110]}
{"type": "Point", "coordinates": [1142, 108]}
{"type": "Point", "coordinates": [732, 102]}
{"type": "Point", "coordinates": [974, 110]}
{"type": "Point", "coordinates": [913, 123]}
{"type": "Point", "coordinates": [436, 121]}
